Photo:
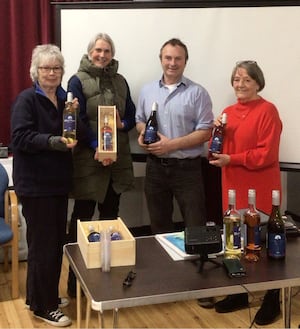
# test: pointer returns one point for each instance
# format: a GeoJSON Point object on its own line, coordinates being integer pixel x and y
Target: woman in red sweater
{"type": "Point", "coordinates": [250, 156]}
{"type": "Point", "coordinates": [250, 159]}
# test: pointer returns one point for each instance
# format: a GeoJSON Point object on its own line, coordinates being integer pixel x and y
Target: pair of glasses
{"type": "Point", "coordinates": [128, 280]}
{"type": "Point", "coordinates": [246, 62]}
{"type": "Point", "coordinates": [48, 69]}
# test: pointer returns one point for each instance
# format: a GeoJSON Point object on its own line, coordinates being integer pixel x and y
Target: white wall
{"type": "Point", "coordinates": [216, 39]}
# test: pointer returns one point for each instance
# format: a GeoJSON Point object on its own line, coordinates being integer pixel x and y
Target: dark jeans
{"type": "Point", "coordinates": [179, 179]}
{"type": "Point", "coordinates": [46, 219]}
{"type": "Point", "coordinates": [84, 210]}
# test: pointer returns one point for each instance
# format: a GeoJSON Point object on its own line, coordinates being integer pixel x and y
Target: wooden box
{"type": "Point", "coordinates": [122, 251]}
{"type": "Point", "coordinates": [107, 133]}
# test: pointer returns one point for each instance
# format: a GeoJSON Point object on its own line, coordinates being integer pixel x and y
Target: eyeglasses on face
{"type": "Point", "coordinates": [246, 62]}
{"type": "Point", "coordinates": [48, 69]}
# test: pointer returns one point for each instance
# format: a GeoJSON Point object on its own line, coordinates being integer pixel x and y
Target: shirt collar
{"type": "Point", "coordinates": [60, 92]}
{"type": "Point", "coordinates": [182, 81]}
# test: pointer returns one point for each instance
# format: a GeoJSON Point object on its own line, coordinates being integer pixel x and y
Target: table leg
{"type": "Point", "coordinates": [286, 306]}
{"type": "Point", "coordinates": [101, 319]}
{"type": "Point", "coordinates": [115, 318]}
{"type": "Point", "coordinates": [78, 303]}
{"type": "Point", "coordinates": [88, 313]}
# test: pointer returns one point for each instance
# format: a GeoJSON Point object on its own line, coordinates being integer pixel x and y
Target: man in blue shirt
{"type": "Point", "coordinates": [185, 122]}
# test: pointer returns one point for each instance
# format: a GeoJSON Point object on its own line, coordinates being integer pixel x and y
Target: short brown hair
{"type": "Point", "coordinates": [175, 42]}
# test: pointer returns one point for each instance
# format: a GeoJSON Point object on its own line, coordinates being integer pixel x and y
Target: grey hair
{"type": "Point", "coordinates": [45, 53]}
{"type": "Point", "coordinates": [101, 36]}
{"type": "Point", "coordinates": [253, 70]}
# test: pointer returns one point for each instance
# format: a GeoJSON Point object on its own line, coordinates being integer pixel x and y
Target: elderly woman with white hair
{"type": "Point", "coordinates": [42, 175]}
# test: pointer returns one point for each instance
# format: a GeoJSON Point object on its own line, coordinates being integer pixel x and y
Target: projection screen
{"type": "Point", "coordinates": [217, 37]}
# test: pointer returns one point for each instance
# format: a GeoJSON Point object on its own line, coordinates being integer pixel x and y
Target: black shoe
{"type": "Point", "coordinates": [208, 302]}
{"type": "Point", "coordinates": [232, 303]}
{"type": "Point", "coordinates": [270, 308]}
{"type": "Point", "coordinates": [56, 318]}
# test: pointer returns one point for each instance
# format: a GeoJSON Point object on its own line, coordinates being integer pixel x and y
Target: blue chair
{"type": "Point", "coordinates": [9, 236]}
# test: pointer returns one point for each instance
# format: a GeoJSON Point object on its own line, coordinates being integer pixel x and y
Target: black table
{"type": "Point", "coordinates": [159, 279]}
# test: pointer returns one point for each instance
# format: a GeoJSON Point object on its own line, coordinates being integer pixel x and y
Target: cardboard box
{"type": "Point", "coordinates": [122, 251]}
{"type": "Point", "coordinates": [107, 133]}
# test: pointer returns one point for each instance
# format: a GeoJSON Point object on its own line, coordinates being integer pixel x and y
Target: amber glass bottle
{"type": "Point", "coordinates": [107, 135]}
{"type": "Point", "coordinates": [252, 223]}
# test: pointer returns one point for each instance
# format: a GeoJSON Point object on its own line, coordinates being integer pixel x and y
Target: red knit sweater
{"type": "Point", "coordinates": [252, 141]}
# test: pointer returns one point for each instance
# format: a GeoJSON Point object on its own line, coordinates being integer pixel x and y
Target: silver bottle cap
{"type": "Point", "coordinates": [276, 197]}
{"type": "Point", "coordinates": [154, 106]}
{"type": "Point", "coordinates": [69, 97]}
{"type": "Point", "coordinates": [224, 118]}
{"type": "Point", "coordinates": [231, 196]}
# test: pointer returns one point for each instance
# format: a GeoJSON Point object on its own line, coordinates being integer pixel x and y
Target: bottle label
{"type": "Point", "coordinates": [94, 237]}
{"type": "Point", "coordinates": [116, 236]}
{"type": "Point", "coordinates": [257, 230]}
{"type": "Point", "coordinates": [150, 135]}
{"type": "Point", "coordinates": [216, 144]}
{"type": "Point", "coordinates": [252, 235]}
{"type": "Point", "coordinates": [107, 141]}
{"type": "Point", "coordinates": [276, 245]}
{"type": "Point", "coordinates": [236, 237]}
{"type": "Point", "coordinates": [69, 122]}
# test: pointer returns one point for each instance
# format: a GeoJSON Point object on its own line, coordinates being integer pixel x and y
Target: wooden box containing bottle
{"type": "Point", "coordinates": [107, 133]}
{"type": "Point", "coordinates": [122, 251]}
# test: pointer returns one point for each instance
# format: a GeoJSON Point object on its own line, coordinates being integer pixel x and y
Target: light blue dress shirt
{"type": "Point", "coordinates": [185, 109]}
